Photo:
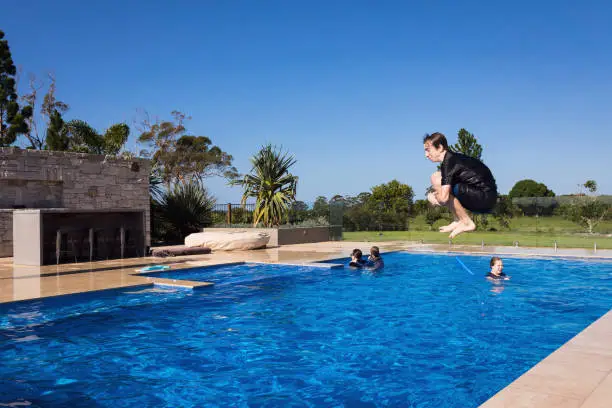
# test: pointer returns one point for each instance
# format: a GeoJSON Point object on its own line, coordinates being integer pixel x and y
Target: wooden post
{"type": "Point", "coordinates": [229, 214]}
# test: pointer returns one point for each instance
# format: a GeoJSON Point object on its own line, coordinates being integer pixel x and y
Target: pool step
{"type": "Point", "coordinates": [180, 284]}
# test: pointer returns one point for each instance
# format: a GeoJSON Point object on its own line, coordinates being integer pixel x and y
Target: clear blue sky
{"type": "Point", "coordinates": [348, 87]}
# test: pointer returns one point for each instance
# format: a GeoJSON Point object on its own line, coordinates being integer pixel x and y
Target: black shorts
{"type": "Point", "coordinates": [474, 199]}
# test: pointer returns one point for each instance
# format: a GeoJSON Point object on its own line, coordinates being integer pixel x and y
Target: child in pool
{"type": "Point", "coordinates": [356, 259]}
{"type": "Point", "coordinates": [375, 261]}
{"type": "Point", "coordinates": [497, 266]}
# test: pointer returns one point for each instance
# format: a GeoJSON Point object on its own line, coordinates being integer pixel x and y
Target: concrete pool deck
{"type": "Point", "coordinates": [578, 374]}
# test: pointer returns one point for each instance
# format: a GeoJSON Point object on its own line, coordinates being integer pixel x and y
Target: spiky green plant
{"type": "Point", "coordinates": [184, 209]}
{"type": "Point", "coordinates": [155, 184]}
{"type": "Point", "coordinates": [271, 184]}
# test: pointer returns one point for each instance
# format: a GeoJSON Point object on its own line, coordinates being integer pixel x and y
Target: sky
{"type": "Point", "coordinates": [348, 87]}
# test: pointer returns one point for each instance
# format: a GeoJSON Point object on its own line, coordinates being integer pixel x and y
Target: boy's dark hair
{"type": "Point", "coordinates": [436, 140]}
{"type": "Point", "coordinates": [357, 253]}
{"type": "Point", "coordinates": [375, 252]}
{"type": "Point", "coordinates": [493, 260]}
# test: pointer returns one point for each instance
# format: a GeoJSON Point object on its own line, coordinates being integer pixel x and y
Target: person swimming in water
{"type": "Point", "coordinates": [375, 261]}
{"type": "Point", "coordinates": [497, 266]}
{"type": "Point", "coordinates": [356, 259]}
{"type": "Point", "coordinates": [463, 183]}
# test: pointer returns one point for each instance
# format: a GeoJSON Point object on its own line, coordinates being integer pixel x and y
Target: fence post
{"type": "Point", "coordinates": [229, 214]}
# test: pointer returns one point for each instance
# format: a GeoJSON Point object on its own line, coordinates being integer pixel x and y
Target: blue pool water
{"type": "Point", "coordinates": [421, 333]}
{"type": "Point", "coordinates": [233, 273]}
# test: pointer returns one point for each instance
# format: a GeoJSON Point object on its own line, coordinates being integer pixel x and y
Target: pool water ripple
{"type": "Point", "coordinates": [421, 333]}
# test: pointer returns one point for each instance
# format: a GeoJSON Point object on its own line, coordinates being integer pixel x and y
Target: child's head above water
{"type": "Point", "coordinates": [496, 264]}
{"type": "Point", "coordinates": [375, 252]}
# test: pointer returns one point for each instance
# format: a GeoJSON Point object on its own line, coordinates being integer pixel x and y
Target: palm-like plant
{"type": "Point", "coordinates": [185, 208]}
{"type": "Point", "coordinates": [155, 184]}
{"type": "Point", "coordinates": [271, 184]}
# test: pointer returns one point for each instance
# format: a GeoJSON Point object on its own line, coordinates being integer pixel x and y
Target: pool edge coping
{"type": "Point", "coordinates": [579, 385]}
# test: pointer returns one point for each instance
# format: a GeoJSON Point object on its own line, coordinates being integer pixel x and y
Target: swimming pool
{"type": "Point", "coordinates": [423, 333]}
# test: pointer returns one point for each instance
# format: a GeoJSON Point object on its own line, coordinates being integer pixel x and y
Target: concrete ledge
{"type": "Point", "coordinates": [578, 374]}
{"type": "Point", "coordinates": [180, 284]}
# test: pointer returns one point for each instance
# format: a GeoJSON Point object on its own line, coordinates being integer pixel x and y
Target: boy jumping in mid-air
{"type": "Point", "coordinates": [463, 182]}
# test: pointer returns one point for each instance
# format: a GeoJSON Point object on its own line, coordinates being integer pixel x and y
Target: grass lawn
{"type": "Point", "coordinates": [528, 231]}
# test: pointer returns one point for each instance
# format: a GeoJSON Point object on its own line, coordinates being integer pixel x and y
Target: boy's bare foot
{"type": "Point", "coordinates": [449, 227]}
{"type": "Point", "coordinates": [462, 227]}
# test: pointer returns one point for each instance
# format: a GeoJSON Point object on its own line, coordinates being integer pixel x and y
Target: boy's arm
{"type": "Point", "coordinates": [443, 194]}
{"type": "Point", "coordinates": [446, 171]}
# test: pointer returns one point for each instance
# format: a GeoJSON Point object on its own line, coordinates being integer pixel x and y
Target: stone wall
{"type": "Point", "coordinates": [45, 179]}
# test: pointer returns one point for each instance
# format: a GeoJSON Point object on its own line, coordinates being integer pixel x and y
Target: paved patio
{"type": "Point", "coordinates": [579, 374]}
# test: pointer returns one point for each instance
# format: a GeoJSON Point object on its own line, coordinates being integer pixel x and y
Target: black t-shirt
{"type": "Point", "coordinates": [458, 168]}
{"type": "Point", "coordinates": [501, 276]}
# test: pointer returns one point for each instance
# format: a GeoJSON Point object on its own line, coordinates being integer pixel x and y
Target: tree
{"type": "Point", "coordinates": [434, 214]}
{"type": "Point", "coordinates": [55, 139]}
{"type": "Point", "coordinates": [114, 138]}
{"type": "Point", "coordinates": [467, 144]}
{"type": "Point", "coordinates": [49, 109]}
{"type": "Point", "coordinates": [298, 211]}
{"type": "Point", "coordinates": [533, 198]}
{"type": "Point", "coordinates": [320, 207]}
{"type": "Point", "coordinates": [391, 203]}
{"type": "Point", "coordinates": [587, 211]}
{"type": "Point", "coordinates": [503, 211]}
{"type": "Point", "coordinates": [530, 188]}
{"type": "Point", "coordinates": [196, 157]}
{"type": "Point", "coordinates": [591, 186]}
{"type": "Point", "coordinates": [37, 141]}
{"type": "Point", "coordinates": [181, 156]}
{"type": "Point", "coordinates": [79, 136]}
{"type": "Point", "coordinates": [271, 184]}
{"type": "Point", "coordinates": [13, 119]}
{"type": "Point", "coordinates": [420, 207]}
{"type": "Point", "coordinates": [50, 103]}
{"type": "Point", "coordinates": [357, 214]}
